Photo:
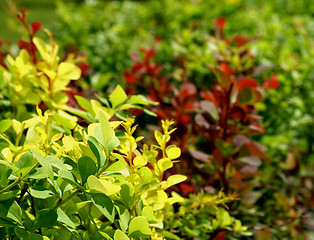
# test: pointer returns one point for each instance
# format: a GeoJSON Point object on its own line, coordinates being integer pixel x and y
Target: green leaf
{"type": "Point", "coordinates": [8, 195]}
{"type": "Point", "coordinates": [164, 164]}
{"type": "Point", "coordinates": [8, 164]}
{"type": "Point", "coordinates": [38, 173]}
{"type": "Point", "coordinates": [173, 152]}
{"type": "Point", "coordinates": [119, 235]}
{"type": "Point", "coordinates": [250, 96]}
{"type": "Point", "coordinates": [148, 212]}
{"type": "Point", "coordinates": [97, 151]}
{"type": "Point", "coordinates": [175, 179]}
{"type": "Point", "coordinates": [118, 165]}
{"type": "Point", "coordinates": [62, 217]}
{"type": "Point", "coordinates": [113, 143]}
{"type": "Point", "coordinates": [140, 99]}
{"type": "Point", "coordinates": [170, 235]}
{"type": "Point", "coordinates": [118, 96]}
{"type": "Point", "coordinates": [222, 77]}
{"type": "Point", "coordinates": [159, 137]}
{"type": "Point", "coordinates": [25, 235]}
{"type": "Point", "coordinates": [68, 176]}
{"type": "Point", "coordinates": [224, 147]}
{"type": "Point", "coordinates": [126, 192]}
{"type": "Point", "coordinates": [5, 125]}
{"type": "Point", "coordinates": [105, 132]}
{"type": "Point", "coordinates": [58, 163]}
{"type": "Point", "coordinates": [146, 175]}
{"type": "Point", "coordinates": [85, 104]}
{"type": "Point", "coordinates": [86, 167]}
{"type": "Point", "coordinates": [104, 205]}
{"type": "Point", "coordinates": [10, 210]}
{"type": "Point", "coordinates": [6, 223]}
{"type": "Point", "coordinates": [124, 217]}
{"type": "Point", "coordinates": [139, 228]}
{"type": "Point", "coordinates": [101, 185]}
{"type": "Point", "coordinates": [45, 164]}
{"type": "Point", "coordinates": [46, 218]}
{"type": "Point", "coordinates": [25, 164]}
{"type": "Point", "coordinates": [41, 193]}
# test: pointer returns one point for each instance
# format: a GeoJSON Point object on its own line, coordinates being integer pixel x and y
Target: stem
{"type": "Point", "coordinates": [19, 135]}
{"type": "Point", "coordinates": [17, 181]}
{"type": "Point", "coordinates": [61, 202]}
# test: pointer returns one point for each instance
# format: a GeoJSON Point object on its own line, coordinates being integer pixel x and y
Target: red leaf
{"type": "Point", "coordinates": [186, 189]}
{"type": "Point", "coordinates": [223, 78]}
{"type": "Point", "coordinates": [209, 96]}
{"type": "Point", "coordinates": [220, 236]}
{"type": "Point", "coordinates": [21, 15]}
{"type": "Point", "coordinates": [158, 38]}
{"type": "Point", "coordinates": [240, 40]}
{"type": "Point", "coordinates": [184, 118]}
{"type": "Point", "coordinates": [137, 67]}
{"type": "Point", "coordinates": [129, 77]}
{"type": "Point", "coordinates": [149, 53]}
{"type": "Point", "coordinates": [220, 22]}
{"type": "Point", "coordinates": [237, 113]}
{"type": "Point", "coordinates": [225, 68]}
{"type": "Point", "coordinates": [255, 129]}
{"type": "Point", "coordinates": [250, 149]}
{"type": "Point", "coordinates": [272, 82]}
{"type": "Point", "coordinates": [24, 45]}
{"type": "Point", "coordinates": [35, 27]}
{"type": "Point", "coordinates": [247, 83]}
{"type": "Point", "coordinates": [85, 68]}
{"type": "Point", "coordinates": [188, 89]}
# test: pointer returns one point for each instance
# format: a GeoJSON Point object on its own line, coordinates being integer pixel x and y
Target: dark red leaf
{"type": "Point", "coordinates": [35, 27]}
{"type": "Point", "coordinates": [255, 129]}
{"type": "Point", "coordinates": [21, 15]}
{"type": "Point", "coordinates": [247, 83]}
{"type": "Point", "coordinates": [137, 67]}
{"type": "Point", "coordinates": [220, 22]}
{"type": "Point", "coordinates": [240, 40]}
{"type": "Point", "coordinates": [186, 189]}
{"type": "Point", "coordinates": [220, 236]}
{"type": "Point", "coordinates": [188, 89]}
{"type": "Point", "coordinates": [85, 68]}
{"type": "Point", "coordinates": [149, 53]}
{"type": "Point", "coordinates": [225, 68]}
{"type": "Point", "coordinates": [185, 118]}
{"type": "Point", "coordinates": [158, 38]}
{"type": "Point", "coordinates": [237, 112]}
{"type": "Point", "coordinates": [201, 121]}
{"type": "Point", "coordinates": [129, 77]}
{"type": "Point", "coordinates": [24, 45]}
{"type": "Point", "coordinates": [250, 149]}
{"type": "Point", "coordinates": [272, 82]}
{"type": "Point", "coordinates": [209, 96]}
{"type": "Point", "coordinates": [201, 156]}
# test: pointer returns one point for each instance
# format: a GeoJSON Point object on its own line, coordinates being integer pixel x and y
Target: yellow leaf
{"type": "Point", "coordinates": [68, 143]}
{"type": "Point", "coordinates": [68, 71]}
{"type": "Point", "coordinates": [173, 152]}
{"type": "Point", "coordinates": [139, 161]}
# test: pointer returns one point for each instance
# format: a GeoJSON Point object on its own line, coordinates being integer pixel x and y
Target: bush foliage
{"type": "Point", "coordinates": [221, 101]}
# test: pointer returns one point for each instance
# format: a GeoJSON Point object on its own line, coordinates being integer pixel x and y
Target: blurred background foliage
{"type": "Point", "coordinates": [107, 32]}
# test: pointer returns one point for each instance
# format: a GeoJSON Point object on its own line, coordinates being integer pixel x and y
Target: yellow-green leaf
{"type": "Point", "coordinates": [173, 152]}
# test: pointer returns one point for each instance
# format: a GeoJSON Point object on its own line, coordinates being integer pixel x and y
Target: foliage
{"type": "Point", "coordinates": [79, 180]}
